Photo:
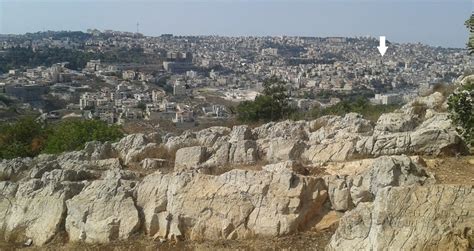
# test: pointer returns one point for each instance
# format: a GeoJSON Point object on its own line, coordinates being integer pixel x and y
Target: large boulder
{"type": "Point", "coordinates": [220, 156]}
{"type": "Point", "coordinates": [345, 191]}
{"type": "Point", "coordinates": [130, 142]}
{"type": "Point", "coordinates": [243, 152]}
{"type": "Point", "coordinates": [98, 151]}
{"type": "Point", "coordinates": [186, 139]}
{"type": "Point", "coordinates": [336, 151]}
{"type": "Point", "coordinates": [10, 169]}
{"type": "Point", "coordinates": [209, 136]}
{"type": "Point", "coordinates": [135, 155]}
{"type": "Point", "coordinates": [389, 144]}
{"type": "Point", "coordinates": [438, 217]}
{"type": "Point", "coordinates": [280, 149]}
{"type": "Point", "coordinates": [189, 157]}
{"type": "Point", "coordinates": [395, 122]}
{"type": "Point", "coordinates": [437, 135]}
{"type": "Point", "coordinates": [285, 129]}
{"type": "Point", "coordinates": [339, 128]}
{"type": "Point", "coordinates": [104, 211]}
{"type": "Point", "coordinates": [234, 205]}
{"type": "Point", "coordinates": [37, 209]}
{"type": "Point", "coordinates": [240, 133]}
{"type": "Point", "coordinates": [339, 193]}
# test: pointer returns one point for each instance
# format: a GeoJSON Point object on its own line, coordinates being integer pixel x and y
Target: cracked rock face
{"type": "Point", "coordinates": [437, 217]}
{"type": "Point", "coordinates": [104, 211]}
{"type": "Point", "coordinates": [35, 209]}
{"type": "Point", "coordinates": [347, 191]}
{"type": "Point", "coordinates": [97, 195]}
{"type": "Point", "coordinates": [237, 204]}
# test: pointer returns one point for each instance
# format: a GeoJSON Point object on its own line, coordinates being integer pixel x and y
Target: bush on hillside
{"type": "Point", "coordinates": [461, 107]}
{"type": "Point", "coordinates": [27, 137]}
{"type": "Point", "coordinates": [74, 134]}
{"type": "Point", "coordinates": [24, 138]}
{"type": "Point", "coordinates": [272, 105]}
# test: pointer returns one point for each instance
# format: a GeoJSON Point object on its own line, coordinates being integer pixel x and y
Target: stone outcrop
{"type": "Point", "coordinates": [189, 157]}
{"type": "Point", "coordinates": [34, 209]}
{"type": "Point", "coordinates": [438, 217]}
{"type": "Point", "coordinates": [104, 211]}
{"type": "Point", "coordinates": [347, 191]}
{"type": "Point", "coordinates": [107, 191]}
{"type": "Point", "coordinates": [240, 133]}
{"type": "Point", "coordinates": [280, 149]}
{"type": "Point", "coordinates": [237, 204]}
{"type": "Point", "coordinates": [11, 168]}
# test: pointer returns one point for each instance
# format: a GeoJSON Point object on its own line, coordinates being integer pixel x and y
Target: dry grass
{"type": "Point", "coordinates": [419, 109]}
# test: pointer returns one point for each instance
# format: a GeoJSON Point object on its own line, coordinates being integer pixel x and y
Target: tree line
{"type": "Point", "coordinates": [29, 137]}
{"type": "Point", "coordinates": [274, 104]}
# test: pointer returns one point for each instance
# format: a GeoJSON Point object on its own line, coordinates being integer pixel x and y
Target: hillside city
{"type": "Point", "coordinates": [115, 140]}
{"type": "Point", "coordinates": [191, 80]}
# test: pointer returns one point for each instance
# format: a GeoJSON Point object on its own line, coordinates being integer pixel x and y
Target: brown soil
{"type": "Point", "coordinates": [310, 240]}
{"type": "Point", "coordinates": [452, 170]}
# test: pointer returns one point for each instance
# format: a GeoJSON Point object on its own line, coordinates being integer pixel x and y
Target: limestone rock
{"type": "Point", "coordinates": [339, 128]}
{"type": "Point", "coordinates": [437, 217]}
{"type": "Point", "coordinates": [209, 136]}
{"type": "Point", "coordinates": [345, 191]}
{"type": "Point", "coordinates": [152, 163]}
{"type": "Point", "coordinates": [220, 156]}
{"type": "Point", "coordinates": [286, 167]}
{"type": "Point", "coordinates": [11, 168]}
{"type": "Point", "coordinates": [236, 204]}
{"type": "Point", "coordinates": [339, 193]}
{"type": "Point", "coordinates": [186, 139]}
{"type": "Point", "coordinates": [137, 154]}
{"type": "Point", "coordinates": [37, 209]}
{"type": "Point", "coordinates": [285, 129]}
{"type": "Point", "coordinates": [395, 122]}
{"type": "Point", "coordinates": [437, 136]}
{"type": "Point", "coordinates": [189, 157]}
{"type": "Point", "coordinates": [104, 211]}
{"type": "Point", "coordinates": [338, 151]}
{"type": "Point", "coordinates": [240, 133]}
{"type": "Point", "coordinates": [281, 149]}
{"type": "Point", "coordinates": [130, 142]}
{"type": "Point", "coordinates": [99, 151]}
{"type": "Point", "coordinates": [243, 152]}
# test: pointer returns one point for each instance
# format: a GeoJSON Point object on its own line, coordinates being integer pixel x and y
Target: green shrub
{"type": "Point", "coordinates": [73, 134]}
{"type": "Point", "coordinates": [359, 105]}
{"type": "Point", "coordinates": [272, 105]}
{"type": "Point", "coordinates": [28, 137]}
{"type": "Point", "coordinates": [23, 138]}
{"type": "Point", "coordinates": [461, 107]}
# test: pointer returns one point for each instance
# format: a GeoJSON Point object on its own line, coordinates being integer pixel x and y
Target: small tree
{"type": "Point", "coordinates": [272, 105]}
{"type": "Point", "coordinates": [74, 134]}
{"type": "Point", "coordinates": [461, 107]}
{"type": "Point", "coordinates": [470, 25]}
{"type": "Point", "coordinates": [460, 103]}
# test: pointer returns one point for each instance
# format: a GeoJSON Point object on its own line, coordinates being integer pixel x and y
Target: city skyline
{"type": "Point", "coordinates": [437, 23]}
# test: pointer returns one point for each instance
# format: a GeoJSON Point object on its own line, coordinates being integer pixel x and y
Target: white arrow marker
{"type": "Point", "coordinates": [382, 48]}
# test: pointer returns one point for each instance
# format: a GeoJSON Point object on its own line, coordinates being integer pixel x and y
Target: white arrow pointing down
{"type": "Point", "coordinates": [382, 48]}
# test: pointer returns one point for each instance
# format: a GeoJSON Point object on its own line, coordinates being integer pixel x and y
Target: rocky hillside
{"type": "Point", "coordinates": [241, 182]}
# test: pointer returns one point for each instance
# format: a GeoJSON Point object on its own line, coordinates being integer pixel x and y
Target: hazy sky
{"type": "Point", "coordinates": [435, 22]}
